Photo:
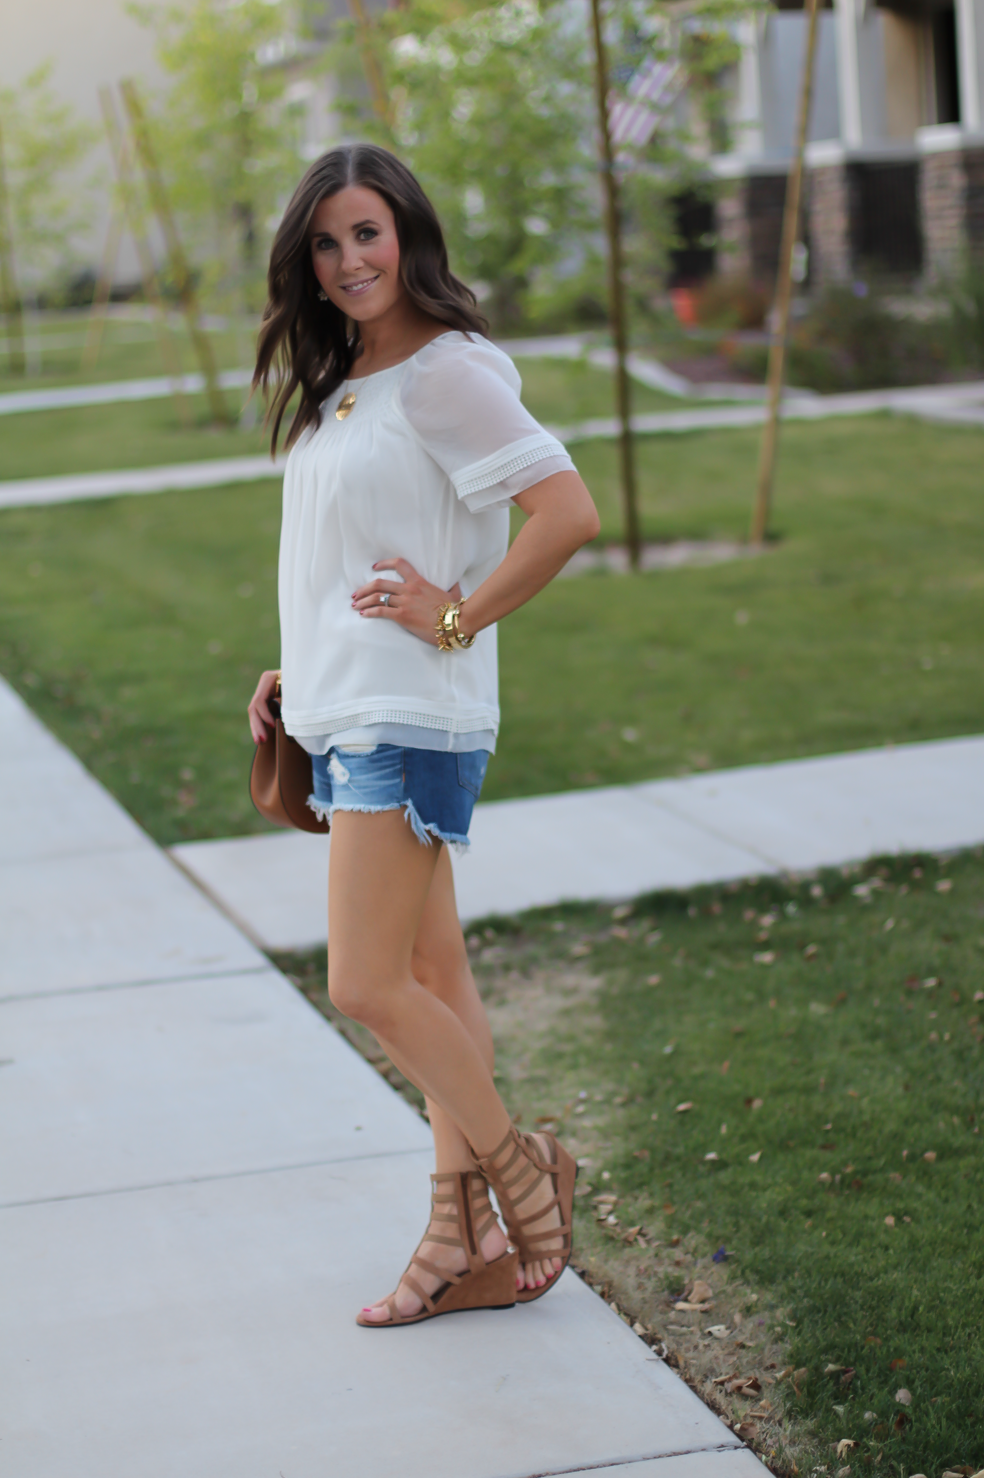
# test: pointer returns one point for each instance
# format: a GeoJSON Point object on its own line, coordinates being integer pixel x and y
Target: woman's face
{"type": "Point", "coordinates": [356, 254]}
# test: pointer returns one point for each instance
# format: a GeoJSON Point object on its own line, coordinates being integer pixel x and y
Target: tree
{"type": "Point", "coordinates": [227, 133]}
{"type": "Point", "coordinates": [48, 206]}
{"type": "Point", "coordinates": [491, 107]}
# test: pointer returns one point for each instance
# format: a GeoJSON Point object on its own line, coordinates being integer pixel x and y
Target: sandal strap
{"type": "Point", "coordinates": [514, 1183]}
{"type": "Point", "coordinates": [415, 1287]}
{"type": "Point", "coordinates": [461, 1209]}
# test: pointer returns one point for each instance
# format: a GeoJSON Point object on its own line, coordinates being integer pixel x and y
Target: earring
{"type": "Point", "coordinates": [322, 295]}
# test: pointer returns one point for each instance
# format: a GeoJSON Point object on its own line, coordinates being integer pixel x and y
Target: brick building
{"type": "Point", "coordinates": [895, 157]}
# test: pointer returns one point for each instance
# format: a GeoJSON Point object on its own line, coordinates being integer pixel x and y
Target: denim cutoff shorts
{"type": "Point", "coordinates": [436, 791]}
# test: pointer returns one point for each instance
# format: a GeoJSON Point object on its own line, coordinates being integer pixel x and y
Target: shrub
{"type": "Point", "coordinates": [850, 340]}
{"type": "Point", "coordinates": [963, 300]}
{"type": "Point", "coordinates": [730, 302]}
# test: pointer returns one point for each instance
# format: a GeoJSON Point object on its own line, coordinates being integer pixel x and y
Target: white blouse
{"type": "Point", "coordinates": [423, 467]}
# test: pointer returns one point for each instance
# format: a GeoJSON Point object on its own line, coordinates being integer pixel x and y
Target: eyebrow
{"type": "Point", "coordinates": [357, 227]}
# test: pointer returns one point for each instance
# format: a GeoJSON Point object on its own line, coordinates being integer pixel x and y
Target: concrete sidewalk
{"type": "Point", "coordinates": [618, 841]}
{"type": "Point", "coordinates": [205, 1184]}
{"type": "Point", "coordinates": [958, 405]}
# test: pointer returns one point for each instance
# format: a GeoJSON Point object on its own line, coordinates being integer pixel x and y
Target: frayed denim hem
{"type": "Point", "coordinates": [421, 828]}
{"type": "Point", "coordinates": [324, 811]}
{"type": "Point", "coordinates": [423, 831]}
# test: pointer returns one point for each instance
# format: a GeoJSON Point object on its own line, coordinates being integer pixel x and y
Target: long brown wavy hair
{"type": "Point", "coordinates": [307, 343]}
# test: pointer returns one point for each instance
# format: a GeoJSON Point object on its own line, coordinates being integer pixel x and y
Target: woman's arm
{"type": "Point", "coordinates": [561, 516]}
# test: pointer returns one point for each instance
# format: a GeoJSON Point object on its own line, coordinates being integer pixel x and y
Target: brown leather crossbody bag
{"type": "Point", "coordinates": [280, 778]}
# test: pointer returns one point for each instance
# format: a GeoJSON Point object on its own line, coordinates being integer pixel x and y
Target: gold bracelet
{"type": "Point", "coordinates": [449, 638]}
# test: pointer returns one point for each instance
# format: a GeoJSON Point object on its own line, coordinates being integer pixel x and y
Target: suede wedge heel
{"type": "Point", "coordinates": [514, 1180]}
{"type": "Point", "coordinates": [459, 1204]}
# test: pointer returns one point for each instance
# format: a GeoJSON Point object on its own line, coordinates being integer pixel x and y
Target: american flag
{"type": "Point", "coordinates": [653, 88]}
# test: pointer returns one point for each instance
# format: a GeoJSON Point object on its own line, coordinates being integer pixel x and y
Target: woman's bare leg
{"type": "Point", "coordinates": [382, 882]}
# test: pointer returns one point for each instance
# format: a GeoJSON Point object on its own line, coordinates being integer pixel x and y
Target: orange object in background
{"type": "Point", "coordinates": [684, 301]}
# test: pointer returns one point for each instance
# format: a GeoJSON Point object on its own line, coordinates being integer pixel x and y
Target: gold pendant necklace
{"type": "Point", "coordinates": [344, 406]}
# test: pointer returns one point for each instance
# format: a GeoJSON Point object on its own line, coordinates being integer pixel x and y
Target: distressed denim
{"type": "Point", "coordinates": [435, 790]}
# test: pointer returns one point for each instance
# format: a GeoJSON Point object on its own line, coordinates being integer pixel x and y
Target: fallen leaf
{"type": "Point", "coordinates": [846, 1444]}
{"type": "Point", "coordinates": [833, 1369]}
{"type": "Point", "coordinates": [904, 1397]}
{"type": "Point", "coordinates": [579, 950]}
{"type": "Point", "coordinates": [712, 1155]}
{"type": "Point", "coordinates": [724, 1067]}
{"type": "Point", "coordinates": [895, 1177]}
{"type": "Point", "coordinates": [847, 1377]}
{"type": "Point", "coordinates": [765, 957]}
{"type": "Point", "coordinates": [653, 979]}
{"type": "Point", "coordinates": [756, 1157]}
{"type": "Point", "coordinates": [930, 1155]}
{"type": "Point", "coordinates": [901, 1421]}
{"type": "Point", "coordinates": [944, 885]}
{"type": "Point", "coordinates": [811, 951]}
{"type": "Point", "coordinates": [843, 1473]}
{"type": "Point", "coordinates": [890, 1221]}
{"type": "Point", "coordinates": [825, 1177]}
{"type": "Point", "coordinates": [632, 1233]}
{"type": "Point", "coordinates": [747, 1431]}
{"type": "Point", "coordinates": [897, 1365]}
{"type": "Point", "coordinates": [701, 1291]}
{"type": "Point", "coordinates": [686, 1307]}
{"type": "Point", "coordinates": [719, 1331]}
{"type": "Point", "coordinates": [641, 1154]}
{"type": "Point", "coordinates": [741, 1385]}
{"type": "Point", "coordinates": [684, 1108]}
{"type": "Point", "coordinates": [872, 1340]}
{"type": "Point", "coordinates": [931, 982]}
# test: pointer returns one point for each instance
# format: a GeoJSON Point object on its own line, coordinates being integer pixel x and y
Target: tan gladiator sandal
{"type": "Point", "coordinates": [457, 1198]}
{"type": "Point", "coordinates": [514, 1183]}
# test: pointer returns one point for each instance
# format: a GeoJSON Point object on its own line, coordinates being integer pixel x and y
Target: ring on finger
{"type": "Point", "coordinates": [384, 600]}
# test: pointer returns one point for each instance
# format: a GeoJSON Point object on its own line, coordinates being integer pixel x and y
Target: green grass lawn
{"type": "Point", "coordinates": [136, 626]}
{"type": "Point", "coordinates": [129, 351]}
{"type": "Point", "coordinates": [147, 433]}
{"type": "Point", "coordinates": [817, 1116]}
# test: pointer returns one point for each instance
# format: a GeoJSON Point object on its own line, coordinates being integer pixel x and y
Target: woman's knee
{"type": "Point", "coordinates": [357, 1000]}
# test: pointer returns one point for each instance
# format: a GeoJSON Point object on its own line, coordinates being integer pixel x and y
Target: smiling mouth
{"type": "Point", "coordinates": [355, 288]}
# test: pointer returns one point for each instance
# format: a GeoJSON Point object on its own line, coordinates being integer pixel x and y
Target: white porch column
{"type": "Point", "coordinates": [749, 140]}
{"type": "Point", "coordinates": [847, 15]}
{"type": "Point", "coordinates": [968, 64]}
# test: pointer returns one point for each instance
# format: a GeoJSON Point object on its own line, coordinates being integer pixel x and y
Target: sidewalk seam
{"type": "Point", "coordinates": [624, 1462]}
{"type": "Point", "coordinates": [223, 1175]}
{"type": "Point", "coordinates": [773, 863]}
{"type": "Point", "coordinates": [84, 990]}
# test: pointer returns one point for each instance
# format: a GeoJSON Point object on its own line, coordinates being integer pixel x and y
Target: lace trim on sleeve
{"type": "Point", "coordinates": [503, 464]}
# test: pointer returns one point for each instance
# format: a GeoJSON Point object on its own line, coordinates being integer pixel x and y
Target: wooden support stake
{"type": "Point", "coordinates": [103, 288]}
{"type": "Point", "coordinates": [179, 262]}
{"type": "Point", "coordinates": [784, 289]}
{"type": "Point", "coordinates": [130, 208]}
{"type": "Point", "coordinates": [12, 308]}
{"type": "Point", "coordinates": [616, 297]}
{"type": "Point", "coordinates": [381, 103]}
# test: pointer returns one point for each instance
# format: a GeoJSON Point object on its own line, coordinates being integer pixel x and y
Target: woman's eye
{"type": "Point", "coordinates": [323, 243]}
{"type": "Point", "coordinates": [367, 234]}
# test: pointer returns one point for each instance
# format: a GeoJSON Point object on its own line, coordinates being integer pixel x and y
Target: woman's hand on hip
{"type": "Point", "coordinates": [412, 603]}
{"type": "Point", "coordinates": [259, 706]}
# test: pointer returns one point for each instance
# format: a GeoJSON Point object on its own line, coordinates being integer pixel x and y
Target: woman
{"type": "Point", "coordinates": [409, 442]}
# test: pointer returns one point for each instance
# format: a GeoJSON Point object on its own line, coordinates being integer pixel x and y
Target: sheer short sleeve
{"type": "Point", "coordinates": [461, 396]}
